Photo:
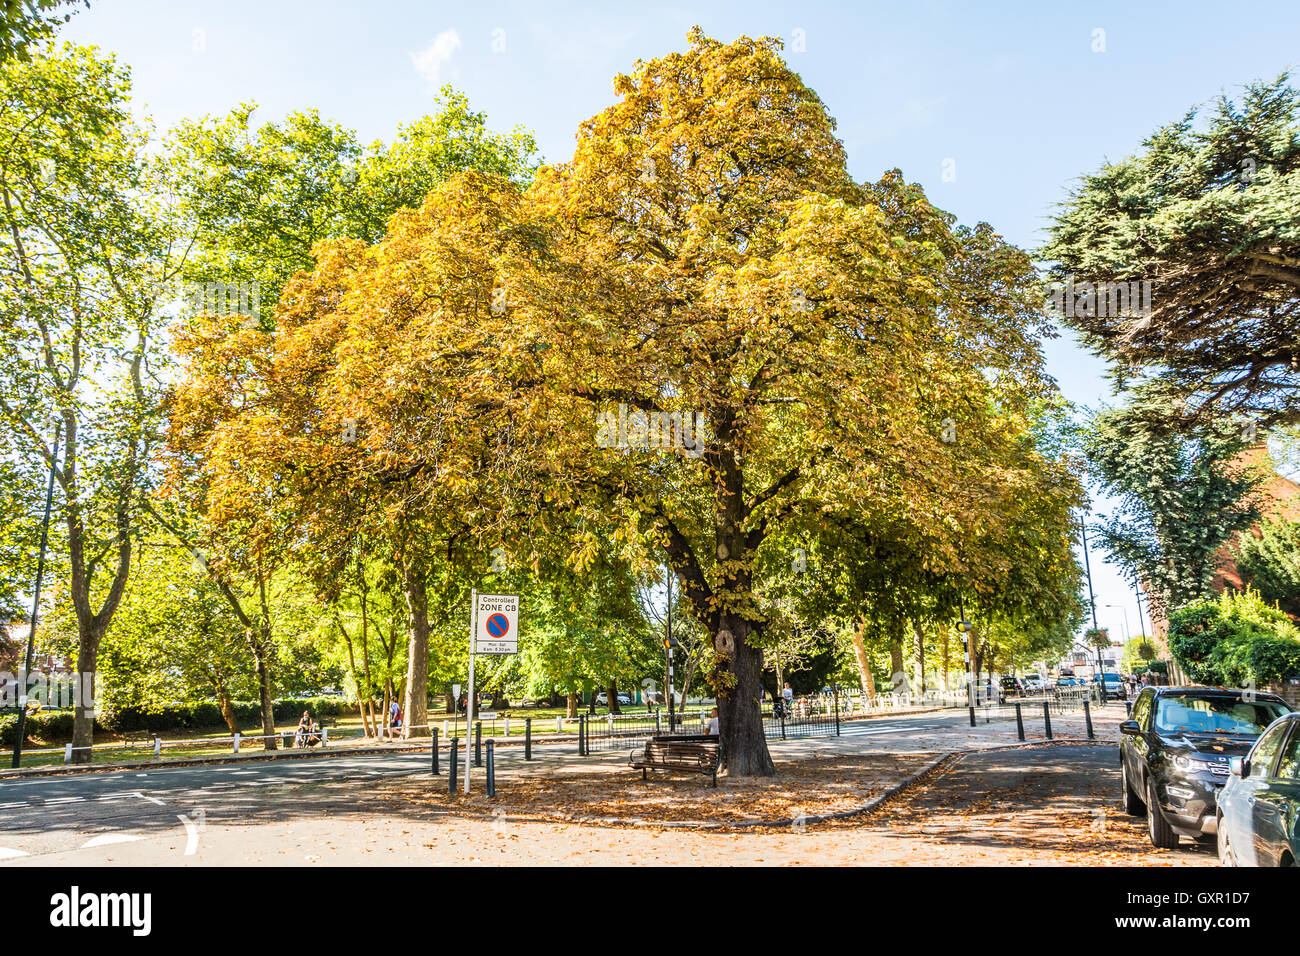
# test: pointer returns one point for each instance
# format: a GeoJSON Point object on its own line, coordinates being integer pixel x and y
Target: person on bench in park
{"type": "Point", "coordinates": [711, 730]}
{"type": "Point", "coordinates": [304, 728]}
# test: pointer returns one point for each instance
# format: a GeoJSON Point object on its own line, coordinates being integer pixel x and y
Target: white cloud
{"type": "Point", "coordinates": [429, 63]}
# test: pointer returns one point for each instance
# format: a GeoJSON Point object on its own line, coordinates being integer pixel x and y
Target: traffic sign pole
{"type": "Point", "coordinates": [469, 701]}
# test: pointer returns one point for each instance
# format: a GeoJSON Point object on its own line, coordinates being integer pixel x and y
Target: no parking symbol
{"type": "Point", "coordinates": [498, 624]}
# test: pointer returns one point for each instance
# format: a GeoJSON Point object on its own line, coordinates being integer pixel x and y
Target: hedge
{"type": "Point", "coordinates": [203, 715]}
{"type": "Point", "coordinates": [56, 725]}
{"type": "Point", "coordinates": [1235, 640]}
{"type": "Point", "coordinates": [47, 725]}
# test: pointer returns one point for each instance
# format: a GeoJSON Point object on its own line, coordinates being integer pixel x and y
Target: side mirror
{"type": "Point", "coordinates": [1130, 727]}
{"type": "Point", "coordinates": [1236, 766]}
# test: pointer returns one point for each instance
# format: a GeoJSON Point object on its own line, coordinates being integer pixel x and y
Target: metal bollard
{"type": "Point", "coordinates": [324, 736]}
{"type": "Point", "coordinates": [436, 769]}
{"type": "Point", "coordinates": [1020, 722]}
{"type": "Point", "coordinates": [528, 738]}
{"type": "Point", "coordinates": [157, 746]}
{"type": "Point", "coordinates": [236, 742]}
{"type": "Point", "coordinates": [659, 727]}
{"type": "Point", "coordinates": [451, 772]}
{"type": "Point", "coordinates": [1047, 719]}
{"type": "Point", "coordinates": [559, 725]}
{"type": "Point", "coordinates": [582, 737]}
{"type": "Point", "coordinates": [491, 770]}
{"type": "Point", "coordinates": [478, 743]}
{"type": "Point", "coordinates": [507, 730]}
{"type": "Point", "coordinates": [67, 754]}
{"type": "Point", "coordinates": [1087, 719]}
{"type": "Point", "coordinates": [972, 715]}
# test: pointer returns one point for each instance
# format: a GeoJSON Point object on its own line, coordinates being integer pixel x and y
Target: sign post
{"type": "Point", "coordinates": [493, 629]}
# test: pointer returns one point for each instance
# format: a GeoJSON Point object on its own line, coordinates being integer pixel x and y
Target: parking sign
{"type": "Point", "coordinates": [498, 624]}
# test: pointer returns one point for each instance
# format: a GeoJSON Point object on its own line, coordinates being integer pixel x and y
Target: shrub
{"type": "Point", "coordinates": [1236, 639]}
{"type": "Point", "coordinates": [206, 715]}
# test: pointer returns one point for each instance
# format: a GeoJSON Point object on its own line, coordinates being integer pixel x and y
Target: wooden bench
{"type": "Point", "coordinates": [678, 752]}
{"type": "Point", "coordinates": [137, 737]}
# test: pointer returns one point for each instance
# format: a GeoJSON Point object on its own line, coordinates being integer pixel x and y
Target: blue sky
{"type": "Point", "coordinates": [1021, 98]}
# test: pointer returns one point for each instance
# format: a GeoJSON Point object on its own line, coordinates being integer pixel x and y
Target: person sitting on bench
{"type": "Point", "coordinates": [304, 728]}
{"type": "Point", "coordinates": [711, 729]}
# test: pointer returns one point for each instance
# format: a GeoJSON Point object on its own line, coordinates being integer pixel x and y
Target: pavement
{"type": "Point", "coordinates": [346, 808]}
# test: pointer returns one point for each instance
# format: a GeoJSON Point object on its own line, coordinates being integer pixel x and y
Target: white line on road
{"type": "Point", "coordinates": [8, 854]}
{"type": "Point", "coordinates": [108, 839]}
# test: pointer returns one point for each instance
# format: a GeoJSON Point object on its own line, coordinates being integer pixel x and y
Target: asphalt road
{"type": "Point", "coordinates": [103, 810]}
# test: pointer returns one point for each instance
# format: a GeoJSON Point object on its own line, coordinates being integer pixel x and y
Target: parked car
{"type": "Point", "coordinates": [1175, 752]}
{"type": "Point", "coordinates": [1067, 682]}
{"type": "Point", "coordinates": [624, 699]}
{"type": "Point", "coordinates": [1034, 684]}
{"type": "Point", "coordinates": [1112, 686]}
{"type": "Point", "coordinates": [1011, 686]}
{"type": "Point", "coordinates": [1259, 809]}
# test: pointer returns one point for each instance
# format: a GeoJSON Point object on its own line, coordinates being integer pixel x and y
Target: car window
{"type": "Point", "coordinates": [1186, 714]}
{"type": "Point", "coordinates": [1261, 758]}
{"type": "Point", "coordinates": [1142, 709]}
{"type": "Point", "coordinates": [1288, 768]}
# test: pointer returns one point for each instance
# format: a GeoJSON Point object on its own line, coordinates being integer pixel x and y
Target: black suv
{"type": "Point", "coordinates": [1174, 753]}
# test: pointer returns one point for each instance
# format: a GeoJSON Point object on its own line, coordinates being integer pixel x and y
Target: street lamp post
{"type": "Point", "coordinates": [669, 644]}
{"type": "Point", "coordinates": [36, 603]}
{"type": "Point", "coordinates": [1092, 603]}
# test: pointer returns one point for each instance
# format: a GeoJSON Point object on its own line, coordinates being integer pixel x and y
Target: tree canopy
{"type": "Point", "coordinates": [1209, 213]}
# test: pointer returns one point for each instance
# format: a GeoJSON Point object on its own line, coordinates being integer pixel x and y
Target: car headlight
{"type": "Point", "coordinates": [1191, 764]}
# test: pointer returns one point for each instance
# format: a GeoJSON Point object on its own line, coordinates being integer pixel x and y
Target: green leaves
{"type": "Point", "coordinates": [1210, 213]}
{"type": "Point", "coordinates": [1182, 497]}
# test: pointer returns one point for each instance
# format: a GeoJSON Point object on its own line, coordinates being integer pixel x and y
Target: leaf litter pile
{"type": "Point", "coordinates": [619, 797]}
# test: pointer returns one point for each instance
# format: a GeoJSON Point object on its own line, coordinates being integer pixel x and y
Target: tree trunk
{"type": "Point", "coordinates": [268, 703]}
{"type": "Point", "coordinates": [946, 686]}
{"type": "Point", "coordinates": [920, 654]}
{"type": "Point", "coordinates": [690, 674]}
{"type": "Point", "coordinates": [898, 676]}
{"type": "Point", "coordinates": [865, 679]}
{"type": "Point", "coordinates": [571, 704]}
{"type": "Point", "coordinates": [83, 714]}
{"type": "Point", "coordinates": [227, 711]}
{"type": "Point", "coordinates": [612, 691]}
{"type": "Point", "coordinates": [368, 697]}
{"type": "Point", "coordinates": [417, 669]}
{"type": "Point", "coordinates": [740, 719]}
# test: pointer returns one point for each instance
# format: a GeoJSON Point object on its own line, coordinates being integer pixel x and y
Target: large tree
{"type": "Point", "coordinates": [1209, 213]}
{"type": "Point", "coordinates": [1181, 497]}
{"type": "Point", "coordinates": [697, 331]}
{"type": "Point", "coordinates": [84, 246]}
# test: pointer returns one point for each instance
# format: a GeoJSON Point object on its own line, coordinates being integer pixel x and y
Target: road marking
{"type": "Point", "coordinates": [8, 854]}
{"type": "Point", "coordinates": [191, 833]}
{"type": "Point", "coordinates": [108, 839]}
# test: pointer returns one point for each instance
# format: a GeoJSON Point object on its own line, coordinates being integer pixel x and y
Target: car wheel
{"type": "Point", "coordinates": [1226, 856]}
{"type": "Point", "coordinates": [1162, 835]}
{"type": "Point", "coordinates": [1133, 805]}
